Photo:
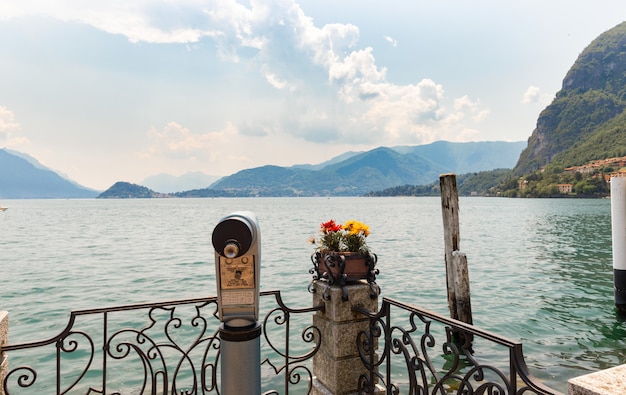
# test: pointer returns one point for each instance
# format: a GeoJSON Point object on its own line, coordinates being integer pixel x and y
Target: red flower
{"type": "Point", "coordinates": [331, 226]}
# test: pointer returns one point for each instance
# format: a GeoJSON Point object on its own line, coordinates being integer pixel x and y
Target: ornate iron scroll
{"type": "Point", "coordinates": [293, 366]}
{"type": "Point", "coordinates": [176, 350]}
{"type": "Point", "coordinates": [424, 354]}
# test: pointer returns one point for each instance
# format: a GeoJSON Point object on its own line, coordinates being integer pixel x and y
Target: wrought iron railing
{"type": "Point", "coordinates": [426, 353]}
{"type": "Point", "coordinates": [177, 351]}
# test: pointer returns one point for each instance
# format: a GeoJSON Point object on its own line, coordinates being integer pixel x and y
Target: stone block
{"type": "Point", "coordinates": [4, 327]}
{"type": "Point", "coordinates": [336, 309]}
{"type": "Point", "coordinates": [4, 368]}
{"type": "Point", "coordinates": [339, 340]}
{"type": "Point", "coordinates": [320, 389]}
{"type": "Point", "coordinates": [339, 376]}
{"type": "Point", "coordinates": [337, 365]}
{"type": "Point", "coordinates": [4, 339]}
{"type": "Point", "coordinates": [605, 382]}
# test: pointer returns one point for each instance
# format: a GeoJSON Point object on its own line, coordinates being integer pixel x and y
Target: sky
{"type": "Point", "coordinates": [120, 90]}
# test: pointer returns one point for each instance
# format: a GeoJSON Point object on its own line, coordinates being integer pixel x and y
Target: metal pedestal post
{"type": "Point", "coordinates": [240, 360]}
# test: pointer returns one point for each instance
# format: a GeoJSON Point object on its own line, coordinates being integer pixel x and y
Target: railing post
{"type": "Point", "coordinates": [337, 365]}
{"type": "Point", "coordinates": [4, 339]}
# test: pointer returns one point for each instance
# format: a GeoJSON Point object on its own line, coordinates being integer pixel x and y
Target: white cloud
{"type": "Point", "coordinates": [287, 49]}
{"type": "Point", "coordinates": [477, 113]}
{"type": "Point", "coordinates": [534, 95]}
{"type": "Point", "coordinates": [391, 40]}
{"type": "Point", "coordinates": [7, 121]}
{"type": "Point", "coordinates": [464, 103]}
{"type": "Point", "coordinates": [531, 95]}
{"type": "Point", "coordinates": [481, 115]}
{"type": "Point", "coordinates": [358, 67]}
{"type": "Point", "coordinates": [176, 141]}
{"type": "Point", "coordinates": [274, 80]}
{"type": "Point", "coordinates": [140, 20]}
{"type": "Point", "coordinates": [9, 129]}
{"type": "Point", "coordinates": [386, 113]}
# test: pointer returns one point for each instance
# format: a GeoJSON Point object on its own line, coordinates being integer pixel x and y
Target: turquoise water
{"type": "Point", "coordinates": [540, 270]}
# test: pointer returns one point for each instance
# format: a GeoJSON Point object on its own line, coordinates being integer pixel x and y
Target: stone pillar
{"type": "Point", "coordinates": [4, 339]}
{"type": "Point", "coordinates": [605, 382]}
{"type": "Point", "coordinates": [337, 366]}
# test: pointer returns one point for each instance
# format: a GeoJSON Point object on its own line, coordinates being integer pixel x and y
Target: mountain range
{"type": "Point", "coordinates": [380, 168]}
{"type": "Point", "coordinates": [352, 173]}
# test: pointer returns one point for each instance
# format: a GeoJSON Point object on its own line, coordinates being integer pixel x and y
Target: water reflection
{"type": "Point", "coordinates": [578, 322]}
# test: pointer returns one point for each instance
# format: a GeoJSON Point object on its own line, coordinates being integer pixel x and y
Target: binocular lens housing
{"type": "Point", "coordinates": [232, 237]}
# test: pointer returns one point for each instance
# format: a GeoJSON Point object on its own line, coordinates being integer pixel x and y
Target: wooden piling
{"type": "Point", "coordinates": [461, 287]}
{"type": "Point", "coordinates": [457, 273]}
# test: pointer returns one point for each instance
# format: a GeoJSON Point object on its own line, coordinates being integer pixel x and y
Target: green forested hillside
{"type": "Point", "coordinates": [468, 184]}
{"type": "Point", "coordinates": [607, 141]}
{"type": "Point", "coordinates": [586, 120]}
{"type": "Point", "coordinates": [126, 190]}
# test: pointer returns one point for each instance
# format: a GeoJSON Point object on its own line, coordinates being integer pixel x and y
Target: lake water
{"type": "Point", "coordinates": [540, 269]}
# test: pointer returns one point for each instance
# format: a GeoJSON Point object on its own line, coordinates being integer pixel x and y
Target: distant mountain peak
{"type": "Point", "coordinates": [23, 177]}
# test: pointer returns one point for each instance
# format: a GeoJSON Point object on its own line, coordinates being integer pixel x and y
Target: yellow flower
{"type": "Point", "coordinates": [356, 227]}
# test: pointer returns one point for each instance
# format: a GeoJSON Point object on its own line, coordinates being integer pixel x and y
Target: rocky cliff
{"type": "Point", "coordinates": [591, 101]}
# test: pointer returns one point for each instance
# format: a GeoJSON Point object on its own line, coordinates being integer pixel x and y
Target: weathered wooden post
{"type": "Point", "coordinates": [618, 230]}
{"type": "Point", "coordinates": [457, 273]}
{"type": "Point", "coordinates": [4, 339]}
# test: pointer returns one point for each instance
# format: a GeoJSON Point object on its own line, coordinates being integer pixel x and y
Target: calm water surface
{"type": "Point", "coordinates": [540, 270]}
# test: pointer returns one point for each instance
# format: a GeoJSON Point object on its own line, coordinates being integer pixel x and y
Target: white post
{"type": "Point", "coordinates": [618, 228]}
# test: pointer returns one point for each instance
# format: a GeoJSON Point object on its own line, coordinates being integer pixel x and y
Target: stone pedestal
{"type": "Point", "coordinates": [4, 339]}
{"type": "Point", "coordinates": [605, 382]}
{"type": "Point", "coordinates": [337, 365]}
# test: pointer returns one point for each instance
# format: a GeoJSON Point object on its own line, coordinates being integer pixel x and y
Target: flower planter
{"type": "Point", "coordinates": [336, 261]}
{"type": "Point", "coordinates": [353, 265]}
{"type": "Point", "coordinates": [343, 268]}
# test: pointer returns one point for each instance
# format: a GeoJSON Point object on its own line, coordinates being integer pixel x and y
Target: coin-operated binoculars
{"type": "Point", "coordinates": [237, 243]}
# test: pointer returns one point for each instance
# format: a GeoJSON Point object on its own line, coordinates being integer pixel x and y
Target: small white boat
{"type": "Point", "coordinates": [3, 208]}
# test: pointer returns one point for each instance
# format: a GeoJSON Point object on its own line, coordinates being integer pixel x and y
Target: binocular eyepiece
{"type": "Point", "coordinates": [231, 249]}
